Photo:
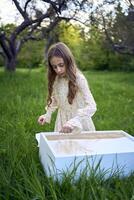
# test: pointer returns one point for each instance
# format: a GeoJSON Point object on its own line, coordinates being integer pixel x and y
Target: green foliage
{"type": "Point", "coordinates": [91, 49]}
{"type": "Point", "coordinates": [31, 55]}
{"type": "Point", "coordinates": [94, 55]}
{"type": "Point", "coordinates": [120, 62]}
{"type": "Point", "coordinates": [1, 61]}
{"type": "Point", "coordinates": [123, 28]}
{"type": "Point", "coordinates": [22, 101]}
{"type": "Point", "coordinates": [71, 35]}
{"type": "Point", "coordinates": [7, 28]}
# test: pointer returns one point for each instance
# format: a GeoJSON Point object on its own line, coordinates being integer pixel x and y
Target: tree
{"type": "Point", "coordinates": [37, 23]}
{"type": "Point", "coordinates": [118, 27]}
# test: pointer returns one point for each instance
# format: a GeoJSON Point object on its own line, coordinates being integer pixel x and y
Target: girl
{"type": "Point", "coordinates": [69, 92]}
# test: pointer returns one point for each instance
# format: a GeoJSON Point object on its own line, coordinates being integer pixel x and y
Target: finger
{"type": "Point", "coordinates": [63, 130]}
{"type": "Point", "coordinates": [43, 121]}
{"type": "Point", "coordinates": [68, 130]}
{"type": "Point", "coordinates": [39, 119]}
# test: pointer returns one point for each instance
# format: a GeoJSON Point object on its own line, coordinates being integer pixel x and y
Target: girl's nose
{"type": "Point", "coordinates": [58, 69]}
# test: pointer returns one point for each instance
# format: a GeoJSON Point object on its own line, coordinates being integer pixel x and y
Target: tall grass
{"type": "Point", "coordinates": [22, 97]}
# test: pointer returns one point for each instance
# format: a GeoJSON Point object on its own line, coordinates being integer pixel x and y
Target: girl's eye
{"type": "Point", "coordinates": [54, 67]}
{"type": "Point", "coordinates": [61, 65]}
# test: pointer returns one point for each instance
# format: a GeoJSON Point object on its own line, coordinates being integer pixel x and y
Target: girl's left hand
{"type": "Point", "coordinates": [66, 129]}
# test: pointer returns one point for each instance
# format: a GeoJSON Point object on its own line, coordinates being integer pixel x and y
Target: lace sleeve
{"type": "Point", "coordinates": [50, 109]}
{"type": "Point", "coordinates": [90, 105]}
{"type": "Point", "coordinates": [53, 106]}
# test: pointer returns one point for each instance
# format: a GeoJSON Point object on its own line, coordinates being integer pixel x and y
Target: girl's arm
{"type": "Point", "coordinates": [90, 106]}
{"type": "Point", "coordinates": [50, 109]}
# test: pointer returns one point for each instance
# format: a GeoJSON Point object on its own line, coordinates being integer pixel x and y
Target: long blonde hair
{"type": "Point", "coordinates": [61, 50]}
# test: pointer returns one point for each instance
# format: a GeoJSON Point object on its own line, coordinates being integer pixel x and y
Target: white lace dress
{"type": "Point", "coordinates": [79, 113]}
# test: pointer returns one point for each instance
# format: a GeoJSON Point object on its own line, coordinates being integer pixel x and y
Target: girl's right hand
{"type": "Point", "coordinates": [42, 120]}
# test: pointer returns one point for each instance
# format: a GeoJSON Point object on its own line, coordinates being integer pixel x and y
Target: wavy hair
{"type": "Point", "coordinates": [61, 50]}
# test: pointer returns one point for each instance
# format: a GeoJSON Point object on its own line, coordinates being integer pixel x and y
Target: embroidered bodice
{"type": "Point", "coordinates": [79, 113]}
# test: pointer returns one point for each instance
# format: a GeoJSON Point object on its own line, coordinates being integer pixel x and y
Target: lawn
{"type": "Point", "coordinates": [22, 100]}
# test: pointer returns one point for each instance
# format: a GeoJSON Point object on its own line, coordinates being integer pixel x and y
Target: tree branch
{"type": "Point", "coordinates": [26, 4]}
{"type": "Point", "coordinates": [23, 13]}
{"type": "Point", "coordinates": [122, 49]}
{"type": "Point", "coordinates": [4, 45]}
{"type": "Point", "coordinates": [54, 5]}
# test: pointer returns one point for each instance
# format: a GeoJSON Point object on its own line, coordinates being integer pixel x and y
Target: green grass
{"type": "Point", "coordinates": [22, 100]}
{"type": "Point", "coordinates": [114, 94]}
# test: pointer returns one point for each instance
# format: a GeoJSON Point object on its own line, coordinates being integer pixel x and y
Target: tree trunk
{"type": "Point", "coordinates": [11, 64]}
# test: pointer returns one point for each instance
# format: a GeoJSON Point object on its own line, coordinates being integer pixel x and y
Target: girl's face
{"type": "Point", "coordinates": [58, 66]}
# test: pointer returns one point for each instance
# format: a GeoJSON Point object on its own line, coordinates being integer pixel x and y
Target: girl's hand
{"type": "Point", "coordinates": [42, 120]}
{"type": "Point", "coordinates": [66, 129]}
